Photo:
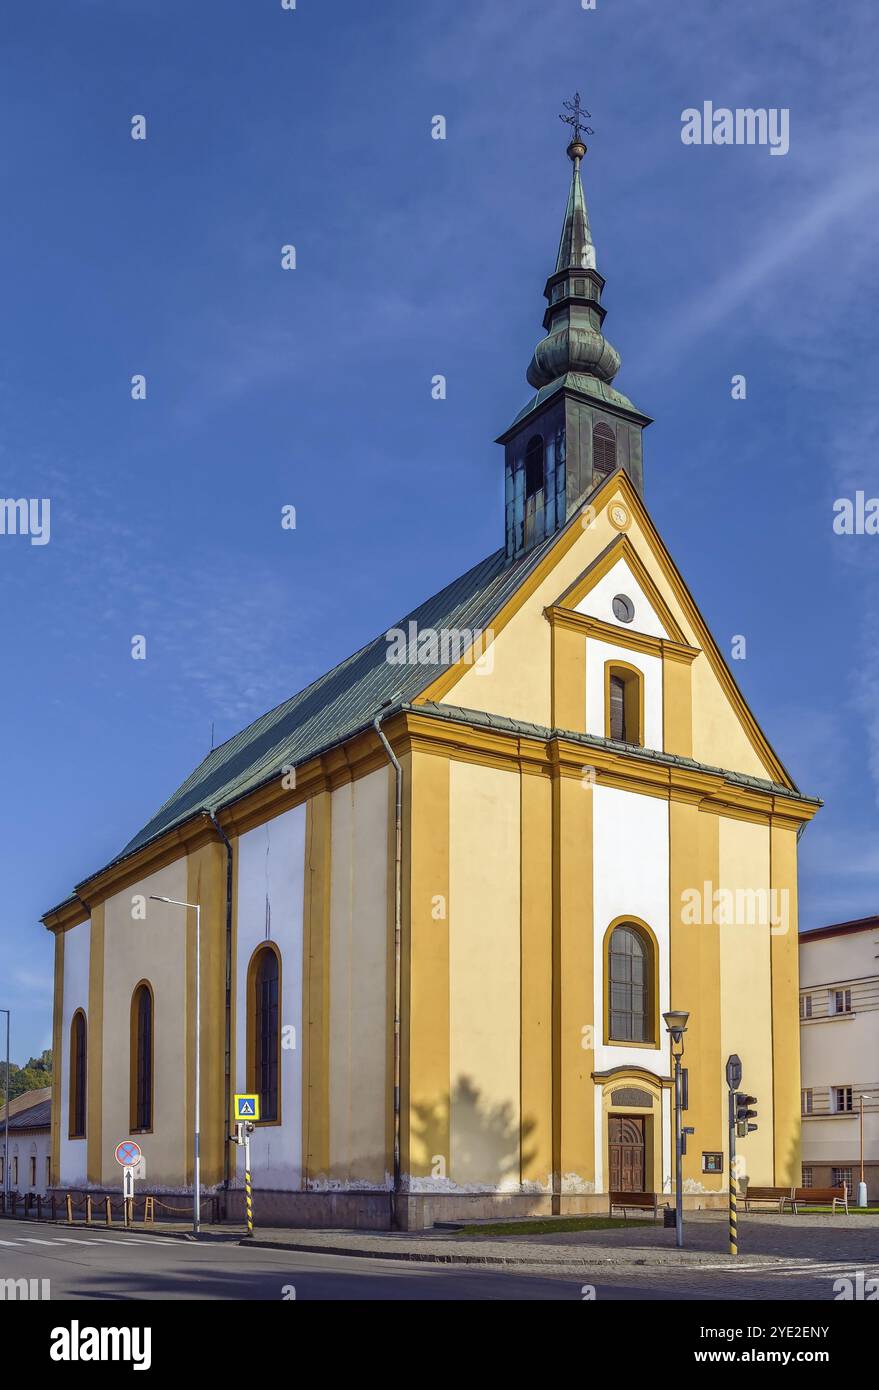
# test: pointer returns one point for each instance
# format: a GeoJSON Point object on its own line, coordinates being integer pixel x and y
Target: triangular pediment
{"type": "Point", "coordinates": [612, 542]}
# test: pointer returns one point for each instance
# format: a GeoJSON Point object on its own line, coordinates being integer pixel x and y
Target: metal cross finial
{"type": "Point", "coordinates": [575, 118]}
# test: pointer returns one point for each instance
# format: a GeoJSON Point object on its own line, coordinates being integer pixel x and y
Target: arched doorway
{"type": "Point", "coordinates": [627, 1153]}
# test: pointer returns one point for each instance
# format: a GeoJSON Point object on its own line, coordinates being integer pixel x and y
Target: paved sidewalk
{"type": "Point", "coordinates": [763, 1239]}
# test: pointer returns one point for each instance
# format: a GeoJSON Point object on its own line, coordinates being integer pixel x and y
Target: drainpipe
{"type": "Point", "coordinates": [227, 1048]}
{"type": "Point", "coordinates": [398, 955]}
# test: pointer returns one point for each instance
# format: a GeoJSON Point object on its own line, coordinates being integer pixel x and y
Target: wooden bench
{"type": "Point", "coordinates": [642, 1202]}
{"type": "Point", "coordinates": [773, 1196]}
{"type": "Point", "coordinates": [819, 1197]}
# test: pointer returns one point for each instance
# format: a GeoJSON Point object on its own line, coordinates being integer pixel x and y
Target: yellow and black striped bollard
{"type": "Point", "coordinates": [733, 1234]}
{"type": "Point", "coordinates": [248, 1197]}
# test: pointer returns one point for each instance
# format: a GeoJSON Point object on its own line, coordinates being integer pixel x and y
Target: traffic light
{"type": "Point", "coordinates": [744, 1114]}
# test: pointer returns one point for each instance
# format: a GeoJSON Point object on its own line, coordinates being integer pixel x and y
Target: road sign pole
{"type": "Point", "coordinates": [248, 1195]}
{"type": "Point", "coordinates": [733, 1195]}
{"type": "Point", "coordinates": [733, 1081]}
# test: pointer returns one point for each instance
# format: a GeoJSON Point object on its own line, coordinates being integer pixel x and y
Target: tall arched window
{"type": "Point", "coordinates": [534, 465]}
{"type": "Point", "coordinates": [264, 1031]}
{"type": "Point", "coordinates": [630, 971]}
{"type": "Point", "coordinates": [604, 450]}
{"type": "Point", "coordinates": [77, 1093]}
{"type": "Point", "coordinates": [142, 1058]}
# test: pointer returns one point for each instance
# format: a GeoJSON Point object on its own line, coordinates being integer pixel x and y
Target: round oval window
{"type": "Point", "coordinates": [624, 608]}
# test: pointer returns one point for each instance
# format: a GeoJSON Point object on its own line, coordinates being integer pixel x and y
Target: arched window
{"type": "Point", "coordinates": [264, 1031]}
{"type": "Point", "coordinates": [624, 704]}
{"type": "Point", "coordinates": [142, 1058]}
{"type": "Point", "coordinates": [630, 971]}
{"type": "Point", "coordinates": [604, 450]}
{"type": "Point", "coordinates": [534, 465]}
{"type": "Point", "coordinates": [77, 1092]}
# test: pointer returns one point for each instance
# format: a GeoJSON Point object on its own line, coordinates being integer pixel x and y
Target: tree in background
{"type": "Point", "coordinates": [36, 1072]}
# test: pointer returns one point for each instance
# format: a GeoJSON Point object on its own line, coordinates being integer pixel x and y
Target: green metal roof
{"type": "Point", "coordinates": [340, 703]}
{"type": "Point", "coordinates": [599, 391]}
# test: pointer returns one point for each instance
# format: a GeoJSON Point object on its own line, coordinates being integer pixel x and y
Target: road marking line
{"type": "Point", "coordinates": [31, 1240]}
{"type": "Point", "coordinates": [8, 1242]}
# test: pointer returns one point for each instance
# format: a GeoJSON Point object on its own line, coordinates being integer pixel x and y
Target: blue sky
{"type": "Point", "coordinates": [312, 388]}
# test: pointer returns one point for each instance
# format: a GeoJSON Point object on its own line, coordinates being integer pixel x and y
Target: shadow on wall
{"type": "Point", "coordinates": [489, 1145]}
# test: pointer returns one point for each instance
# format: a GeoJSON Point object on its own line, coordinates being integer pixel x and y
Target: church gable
{"type": "Point", "coordinates": [605, 619]}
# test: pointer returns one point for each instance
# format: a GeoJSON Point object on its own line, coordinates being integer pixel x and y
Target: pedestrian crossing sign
{"type": "Point", "coordinates": [246, 1108]}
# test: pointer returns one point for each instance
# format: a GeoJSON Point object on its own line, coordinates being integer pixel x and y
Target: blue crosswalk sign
{"type": "Point", "coordinates": [246, 1107]}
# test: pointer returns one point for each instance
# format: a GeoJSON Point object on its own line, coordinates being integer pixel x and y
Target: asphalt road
{"type": "Point", "coordinates": [115, 1266]}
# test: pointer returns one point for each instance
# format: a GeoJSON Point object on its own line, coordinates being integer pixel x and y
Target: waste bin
{"type": "Point", "coordinates": [669, 1218]}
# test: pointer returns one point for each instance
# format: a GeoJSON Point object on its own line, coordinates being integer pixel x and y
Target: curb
{"type": "Point", "coordinates": [524, 1261]}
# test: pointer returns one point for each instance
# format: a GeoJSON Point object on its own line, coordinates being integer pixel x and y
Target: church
{"type": "Point", "coordinates": [448, 891]}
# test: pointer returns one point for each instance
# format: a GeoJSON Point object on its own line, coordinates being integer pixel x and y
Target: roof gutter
{"type": "Point", "coordinates": [398, 956]}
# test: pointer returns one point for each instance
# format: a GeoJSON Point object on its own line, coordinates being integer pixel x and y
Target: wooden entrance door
{"type": "Point", "coordinates": [626, 1141]}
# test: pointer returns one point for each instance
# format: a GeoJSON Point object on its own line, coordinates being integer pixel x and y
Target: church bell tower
{"type": "Point", "coordinates": [577, 428]}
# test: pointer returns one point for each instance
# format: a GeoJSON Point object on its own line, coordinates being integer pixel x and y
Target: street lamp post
{"type": "Point", "coordinates": [6, 1113]}
{"type": "Point", "coordinates": [196, 1155]}
{"type": "Point", "coordinates": [676, 1023]}
{"type": "Point", "coordinates": [862, 1186]}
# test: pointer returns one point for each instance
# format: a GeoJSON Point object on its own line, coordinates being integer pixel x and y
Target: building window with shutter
{"type": "Point", "coordinates": [841, 1001]}
{"type": "Point", "coordinates": [806, 1099]}
{"type": "Point", "coordinates": [141, 1085]}
{"type": "Point", "coordinates": [842, 1100]}
{"type": "Point", "coordinates": [264, 1031]}
{"type": "Point", "coordinates": [630, 984]}
{"type": "Point", "coordinates": [805, 1006]}
{"type": "Point", "coordinates": [604, 453]}
{"type": "Point", "coordinates": [624, 703]}
{"type": "Point", "coordinates": [841, 1177]}
{"type": "Point", "coordinates": [807, 1175]}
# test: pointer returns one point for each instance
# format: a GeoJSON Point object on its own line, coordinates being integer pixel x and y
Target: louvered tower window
{"type": "Point", "coordinates": [534, 466]}
{"type": "Point", "coordinates": [604, 450]}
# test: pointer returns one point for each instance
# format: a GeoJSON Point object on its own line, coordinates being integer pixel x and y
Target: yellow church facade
{"type": "Point", "coordinates": [448, 892]}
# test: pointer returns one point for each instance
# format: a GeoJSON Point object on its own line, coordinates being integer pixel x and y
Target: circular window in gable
{"type": "Point", "coordinates": [623, 608]}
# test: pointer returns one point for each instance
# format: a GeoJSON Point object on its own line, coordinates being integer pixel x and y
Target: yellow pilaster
{"type": "Point", "coordinates": [696, 981]}
{"type": "Point", "coordinates": [568, 678]}
{"type": "Point", "coordinates": [573, 992]}
{"type": "Point", "coordinates": [426, 1118]}
{"type": "Point", "coordinates": [677, 704]}
{"type": "Point", "coordinates": [95, 1046]}
{"type": "Point", "coordinates": [316, 990]}
{"type": "Point", "coordinates": [206, 885]}
{"type": "Point", "coordinates": [536, 976]}
{"type": "Point", "coordinates": [784, 954]}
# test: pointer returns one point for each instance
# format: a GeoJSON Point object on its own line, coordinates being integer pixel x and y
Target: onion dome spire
{"type": "Point", "coordinates": [573, 320]}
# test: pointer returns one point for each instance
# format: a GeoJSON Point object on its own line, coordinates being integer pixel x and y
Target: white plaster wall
{"type": "Point", "coordinates": [630, 880]}
{"type": "Point", "coordinates": [271, 862]}
{"type": "Point", "coordinates": [597, 655]}
{"type": "Point", "coordinates": [841, 1049]}
{"type": "Point", "coordinates": [29, 1146]}
{"type": "Point", "coordinates": [598, 603]}
{"type": "Point", "coordinates": [76, 996]}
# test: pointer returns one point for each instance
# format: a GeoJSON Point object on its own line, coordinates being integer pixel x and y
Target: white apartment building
{"type": "Point", "coordinates": [839, 1054]}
